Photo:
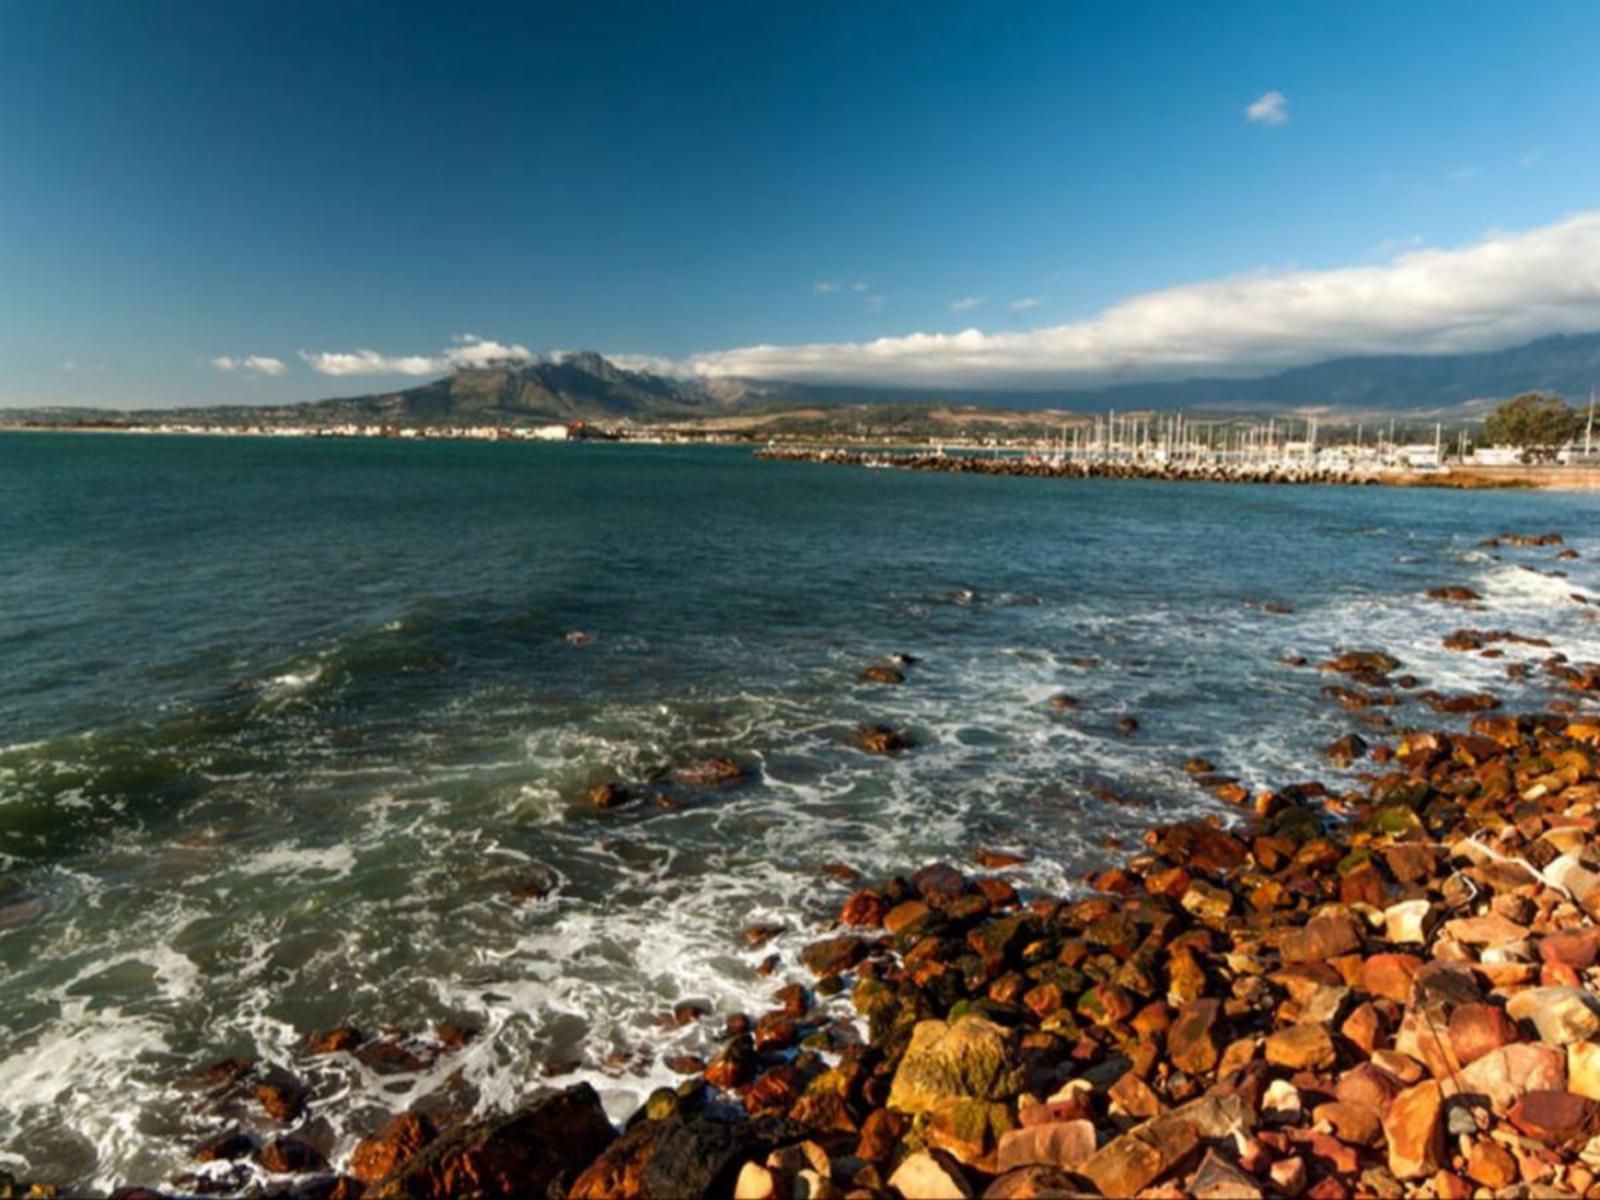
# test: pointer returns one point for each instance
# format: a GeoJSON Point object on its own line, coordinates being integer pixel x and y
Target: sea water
{"type": "Point", "coordinates": [295, 732]}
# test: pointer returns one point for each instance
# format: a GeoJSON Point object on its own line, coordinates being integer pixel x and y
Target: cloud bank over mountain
{"type": "Point", "coordinates": [1503, 289]}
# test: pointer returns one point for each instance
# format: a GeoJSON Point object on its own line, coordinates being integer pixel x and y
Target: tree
{"type": "Point", "coordinates": [1537, 423]}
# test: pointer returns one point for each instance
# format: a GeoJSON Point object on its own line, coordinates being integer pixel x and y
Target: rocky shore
{"type": "Point", "coordinates": [1388, 986]}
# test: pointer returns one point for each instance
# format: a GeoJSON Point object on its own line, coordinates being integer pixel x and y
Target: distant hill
{"type": "Point", "coordinates": [588, 387]}
{"type": "Point", "coordinates": [1568, 365]}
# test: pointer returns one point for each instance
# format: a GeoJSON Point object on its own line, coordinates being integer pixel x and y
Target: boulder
{"type": "Point", "coordinates": [376, 1157]}
{"type": "Point", "coordinates": [1034, 1183]}
{"type": "Point", "coordinates": [971, 1058]}
{"type": "Point", "coordinates": [515, 1155]}
{"type": "Point", "coordinates": [693, 1154]}
{"type": "Point", "coordinates": [1476, 1029]}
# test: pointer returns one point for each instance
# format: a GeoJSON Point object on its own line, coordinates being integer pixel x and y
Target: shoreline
{"type": "Point", "coordinates": [1472, 478]}
{"type": "Point", "coordinates": [1387, 988]}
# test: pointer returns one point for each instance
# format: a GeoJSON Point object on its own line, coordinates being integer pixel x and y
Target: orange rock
{"type": "Point", "coordinates": [1414, 1129]}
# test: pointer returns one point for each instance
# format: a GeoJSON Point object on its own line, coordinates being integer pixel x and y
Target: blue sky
{"type": "Point", "coordinates": [285, 185]}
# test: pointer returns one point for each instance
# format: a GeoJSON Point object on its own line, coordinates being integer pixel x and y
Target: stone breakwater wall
{"type": "Point", "coordinates": [1466, 478]}
{"type": "Point", "coordinates": [973, 464]}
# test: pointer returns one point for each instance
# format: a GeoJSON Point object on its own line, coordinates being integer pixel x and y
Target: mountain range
{"type": "Point", "coordinates": [588, 387]}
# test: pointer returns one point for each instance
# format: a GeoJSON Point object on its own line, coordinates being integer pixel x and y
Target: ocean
{"type": "Point", "coordinates": [298, 732]}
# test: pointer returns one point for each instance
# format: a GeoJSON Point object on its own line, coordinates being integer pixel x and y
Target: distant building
{"type": "Point", "coordinates": [550, 433]}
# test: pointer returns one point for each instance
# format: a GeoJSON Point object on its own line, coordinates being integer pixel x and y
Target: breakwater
{"type": "Point", "coordinates": [1202, 469]}
{"type": "Point", "coordinates": [1194, 470]}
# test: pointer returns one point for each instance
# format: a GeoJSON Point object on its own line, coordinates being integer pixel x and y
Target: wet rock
{"type": "Point", "coordinates": [225, 1147]}
{"type": "Point", "coordinates": [710, 772]}
{"type": "Point", "coordinates": [334, 1041]}
{"type": "Point", "coordinates": [404, 1134]}
{"type": "Point", "coordinates": [882, 674]}
{"type": "Point", "coordinates": [606, 795]}
{"type": "Point", "coordinates": [290, 1156]}
{"type": "Point", "coordinates": [1061, 701]}
{"type": "Point", "coordinates": [697, 1154]}
{"type": "Point", "coordinates": [735, 1064]}
{"type": "Point", "coordinates": [1346, 749]}
{"type": "Point", "coordinates": [880, 739]}
{"type": "Point", "coordinates": [283, 1102]}
{"type": "Point", "coordinates": [1454, 593]}
{"type": "Point", "coordinates": [515, 1155]}
{"type": "Point", "coordinates": [832, 956]}
{"type": "Point", "coordinates": [971, 1058]}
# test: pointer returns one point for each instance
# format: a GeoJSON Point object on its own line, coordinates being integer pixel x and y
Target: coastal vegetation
{"type": "Point", "coordinates": [1535, 423]}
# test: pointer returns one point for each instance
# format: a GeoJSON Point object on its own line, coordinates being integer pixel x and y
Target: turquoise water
{"type": "Point", "coordinates": [283, 723]}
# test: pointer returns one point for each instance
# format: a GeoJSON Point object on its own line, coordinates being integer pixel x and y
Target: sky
{"type": "Point", "coordinates": [254, 202]}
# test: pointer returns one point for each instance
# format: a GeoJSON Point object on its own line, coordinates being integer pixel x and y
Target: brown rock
{"type": "Point", "coordinates": [882, 674]}
{"type": "Point", "coordinates": [880, 739]}
{"type": "Point", "coordinates": [1368, 1086]}
{"type": "Point", "coordinates": [1390, 975]}
{"type": "Point", "coordinates": [606, 795]}
{"type": "Point", "coordinates": [1505, 1075]}
{"type": "Point", "coordinates": [864, 907]}
{"type": "Point", "coordinates": [1302, 1047]}
{"type": "Point", "coordinates": [1192, 1042]}
{"type": "Point", "coordinates": [515, 1155]}
{"type": "Point", "coordinates": [344, 1037]}
{"type": "Point", "coordinates": [282, 1102]}
{"type": "Point", "coordinates": [1323, 937]}
{"type": "Point", "coordinates": [1491, 1164]}
{"type": "Point", "coordinates": [1218, 1179]}
{"type": "Point", "coordinates": [1033, 1183]}
{"type": "Point", "coordinates": [832, 956]}
{"type": "Point", "coordinates": [1555, 1118]}
{"type": "Point", "coordinates": [1476, 1029]}
{"type": "Point", "coordinates": [378, 1156]}
{"type": "Point", "coordinates": [290, 1156]}
{"type": "Point", "coordinates": [1357, 1124]}
{"type": "Point", "coordinates": [1414, 1128]}
{"type": "Point", "coordinates": [1065, 1144]}
{"type": "Point", "coordinates": [972, 1058]}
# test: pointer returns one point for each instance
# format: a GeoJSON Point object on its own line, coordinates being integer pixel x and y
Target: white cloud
{"type": "Point", "coordinates": [1025, 303]}
{"type": "Point", "coordinates": [1503, 289]}
{"type": "Point", "coordinates": [250, 364]}
{"type": "Point", "coordinates": [859, 285]}
{"type": "Point", "coordinates": [1271, 108]}
{"type": "Point", "coordinates": [467, 350]}
{"type": "Point", "coordinates": [825, 288]}
{"type": "Point", "coordinates": [966, 302]}
{"type": "Point", "coordinates": [875, 301]}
